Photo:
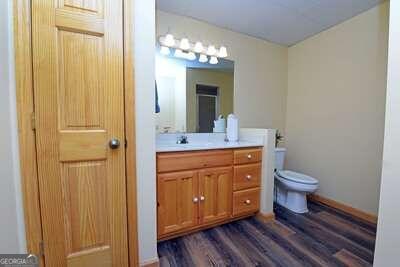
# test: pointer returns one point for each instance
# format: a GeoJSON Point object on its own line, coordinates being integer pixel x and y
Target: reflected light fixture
{"type": "Point", "coordinates": [222, 52]}
{"type": "Point", "coordinates": [178, 53]}
{"type": "Point", "coordinates": [191, 56]}
{"type": "Point", "coordinates": [165, 50]}
{"type": "Point", "coordinates": [198, 47]}
{"type": "Point", "coordinates": [184, 45]}
{"type": "Point", "coordinates": [169, 40]}
{"type": "Point", "coordinates": [213, 60]}
{"type": "Point", "coordinates": [211, 50]}
{"type": "Point", "coordinates": [203, 58]}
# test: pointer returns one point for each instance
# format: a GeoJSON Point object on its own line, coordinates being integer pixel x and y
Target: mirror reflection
{"type": "Point", "coordinates": [191, 94]}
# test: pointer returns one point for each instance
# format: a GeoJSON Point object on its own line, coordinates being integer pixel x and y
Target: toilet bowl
{"type": "Point", "coordinates": [291, 188]}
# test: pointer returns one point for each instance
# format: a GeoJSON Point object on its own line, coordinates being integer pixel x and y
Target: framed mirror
{"type": "Point", "coordinates": [190, 94]}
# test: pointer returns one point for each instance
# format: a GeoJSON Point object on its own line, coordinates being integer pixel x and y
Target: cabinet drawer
{"type": "Point", "coordinates": [246, 201]}
{"type": "Point", "coordinates": [177, 161]}
{"type": "Point", "coordinates": [243, 156]}
{"type": "Point", "coordinates": [247, 176]}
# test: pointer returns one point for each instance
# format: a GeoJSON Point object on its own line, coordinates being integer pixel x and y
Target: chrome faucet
{"type": "Point", "coordinates": [183, 139]}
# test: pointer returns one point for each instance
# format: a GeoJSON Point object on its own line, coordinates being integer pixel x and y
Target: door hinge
{"type": "Point", "coordinates": [126, 143]}
{"type": "Point", "coordinates": [33, 121]}
{"type": "Point", "coordinates": [41, 248]}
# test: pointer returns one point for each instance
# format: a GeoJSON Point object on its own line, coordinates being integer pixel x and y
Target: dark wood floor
{"type": "Point", "coordinates": [322, 237]}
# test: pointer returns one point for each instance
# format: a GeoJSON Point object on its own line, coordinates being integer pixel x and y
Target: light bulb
{"type": "Point", "coordinates": [211, 50]}
{"type": "Point", "coordinates": [191, 56]}
{"type": "Point", "coordinates": [203, 58]}
{"type": "Point", "coordinates": [222, 52]}
{"type": "Point", "coordinates": [198, 47]}
{"type": "Point", "coordinates": [213, 60]}
{"type": "Point", "coordinates": [164, 50]}
{"type": "Point", "coordinates": [184, 44]}
{"type": "Point", "coordinates": [169, 40]}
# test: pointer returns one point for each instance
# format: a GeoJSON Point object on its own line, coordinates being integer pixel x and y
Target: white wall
{"type": "Point", "coordinates": [336, 108]}
{"type": "Point", "coordinates": [260, 69]}
{"type": "Point", "coordinates": [388, 235]}
{"type": "Point", "coordinates": [171, 88]}
{"type": "Point", "coordinates": [12, 232]}
{"type": "Point", "coordinates": [145, 128]}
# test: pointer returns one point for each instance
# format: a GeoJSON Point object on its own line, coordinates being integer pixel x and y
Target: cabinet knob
{"type": "Point", "coordinates": [202, 198]}
{"type": "Point", "coordinates": [247, 202]}
{"type": "Point", "coordinates": [248, 176]}
{"type": "Point", "coordinates": [195, 200]}
{"type": "Point", "coordinates": [249, 156]}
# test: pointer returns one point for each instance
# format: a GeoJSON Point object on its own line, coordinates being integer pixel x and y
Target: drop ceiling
{"type": "Point", "coordinates": [285, 22]}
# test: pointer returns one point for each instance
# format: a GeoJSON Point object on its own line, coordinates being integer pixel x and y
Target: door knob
{"type": "Point", "coordinates": [114, 143]}
{"type": "Point", "coordinates": [249, 156]}
{"type": "Point", "coordinates": [195, 200]}
{"type": "Point", "coordinates": [248, 177]}
{"type": "Point", "coordinates": [247, 202]}
{"type": "Point", "coordinates": [202, 198]}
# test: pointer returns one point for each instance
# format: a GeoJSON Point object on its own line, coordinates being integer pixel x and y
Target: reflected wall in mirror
{"type": "Point", "coordinates": [191, 94]}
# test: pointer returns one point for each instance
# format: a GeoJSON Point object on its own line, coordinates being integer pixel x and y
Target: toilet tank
{"type": "Point", "coordinates": [279, 157]}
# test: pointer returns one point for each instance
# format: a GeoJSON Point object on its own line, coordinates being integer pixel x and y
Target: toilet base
{"type": "Point", "coordinates": [292, 200]}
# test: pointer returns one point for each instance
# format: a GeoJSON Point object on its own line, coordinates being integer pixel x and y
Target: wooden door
{"type": "Point", "coordinates": [177, 201]}
{"type": "Point", "coordinates": [215, 190]}
{"type": "Point", "coordinates": [79, 107]}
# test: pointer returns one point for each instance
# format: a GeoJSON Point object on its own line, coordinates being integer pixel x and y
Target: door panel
{"type": "Point", "coordinates": [177, 209]}
{"type": "Point", "coordinates": [215, 186]}
{"type": "Point", "coordinates": [79, 102]}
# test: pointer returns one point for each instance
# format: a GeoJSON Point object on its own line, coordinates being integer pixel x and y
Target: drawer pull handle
{"type": "Point", "coordinates": [249, 156]}
{"type": "Point", "coordinates": [202, 198]}
{"type": "Point", "coordinates": [247, 202]}
{"type": "Point", "coordinates": [248, 176]}
{"type": "Point", "coordinates": [195, 200]}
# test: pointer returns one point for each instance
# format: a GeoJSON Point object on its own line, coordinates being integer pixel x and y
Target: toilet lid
{"type": "Point", "coordinates": [297, 177]}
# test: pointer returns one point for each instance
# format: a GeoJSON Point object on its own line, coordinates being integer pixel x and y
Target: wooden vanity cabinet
{"type": "Point", "coordinates": [205, 188]}
{"type": "Point", "coordinates": [215, 191]}
{"type": "Point", "coordinates": [177, 205]}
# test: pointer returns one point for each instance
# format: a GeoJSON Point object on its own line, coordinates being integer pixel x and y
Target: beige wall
{"type": "Point", "coordinates": [388, 235]}
{"type": "Point", "coordinates": [260, 78]}
{"type": "Point", "coordinates": [336, 105]}
{"type": "Point", "coordinates": [12, 232]}
{"type": "Point", "coordinates": [223, 80]}
{"type": "Point", "coordinates": [145, 129]}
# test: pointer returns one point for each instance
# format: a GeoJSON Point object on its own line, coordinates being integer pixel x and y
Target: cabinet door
{"type": "Point", "coordinates": [215, 190]}
{"type": "Point", "coordinates": [177, 201]}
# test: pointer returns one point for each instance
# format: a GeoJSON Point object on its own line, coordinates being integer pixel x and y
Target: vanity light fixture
{"type": "Point", "coordinates": [213, 60]}
{"type": "Point", "coordinates": [203, 58]}
{"type": "Point", "coordinates": [186, 49]}
{"type": "Point", "coordinates": [169, 40]}
{"type": "Point", "coordinates": [191, 56]}
{"type": "Point", "coordinates": [198, 47]}
{"type": "Point", "coordinates": [211, 50]}
{"type": "Point", "coordinates": [184, 44]}
{"type": "Point", "coordinates": [222, 52]}
{"type": "Point", "coordinates": [165, 50]}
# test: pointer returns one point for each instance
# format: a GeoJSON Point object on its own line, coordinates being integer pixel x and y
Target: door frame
{"type": "Point", "coordinates": [26, 127]}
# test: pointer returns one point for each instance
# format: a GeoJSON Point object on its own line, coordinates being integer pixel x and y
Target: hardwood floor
{"type": "Point", "coordinates": [322, 237]}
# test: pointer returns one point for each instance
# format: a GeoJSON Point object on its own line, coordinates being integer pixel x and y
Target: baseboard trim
{"type": "Point", "coordinates": [371, 218]}
{"type": "Point", "coordinates": [266, 217]}
{"type": "Point", "coordinates": [151, 263]}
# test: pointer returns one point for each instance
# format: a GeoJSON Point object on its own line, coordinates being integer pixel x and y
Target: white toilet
{"type": "Point", "coordinates": [291, 188]}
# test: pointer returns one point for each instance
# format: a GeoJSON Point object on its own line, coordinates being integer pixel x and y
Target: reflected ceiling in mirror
{"type": "Point", "coordinates": [190, 94]}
